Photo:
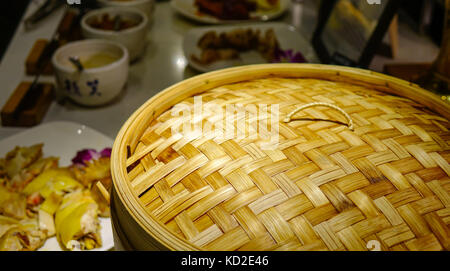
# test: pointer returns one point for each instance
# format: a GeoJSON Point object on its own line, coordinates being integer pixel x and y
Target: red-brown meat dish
{"type": "Point", "coordinates": [226, 9]}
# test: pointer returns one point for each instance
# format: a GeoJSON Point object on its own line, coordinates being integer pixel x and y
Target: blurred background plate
{"type": "Point", "coordinates": [63, 139]}
{"type": "Point", "coordinates": [287, 36]}
{"type": "Point", "coordinates": [188, 9]}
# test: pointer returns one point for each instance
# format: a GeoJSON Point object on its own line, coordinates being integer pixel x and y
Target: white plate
{"type": "Point", "coordinates": [188, 9]}
{"type": "Point", "coordinates": [287, 36]}
{"type": "Point", "coordinates": [63, 139]}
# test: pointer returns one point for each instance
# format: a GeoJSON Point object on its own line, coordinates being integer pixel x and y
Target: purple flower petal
{"type": "Point", "coordinates": [86, 155]}
{"type": "Point", "coordinates": [288, 56]}
{"type": "Point", "coordinates": [289, 53]}
{"type": "Point", "coordinates": [106, 152]}
{"type": "Point", "coordinates": [95, 155]}
{"type": "Point", "coordinates": [83, 155]}
{"type": "Point", "coordinates": [298, 58]}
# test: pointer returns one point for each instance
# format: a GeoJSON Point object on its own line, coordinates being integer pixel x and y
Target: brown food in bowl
{"type": "Point", "coordinates": [107, 22]}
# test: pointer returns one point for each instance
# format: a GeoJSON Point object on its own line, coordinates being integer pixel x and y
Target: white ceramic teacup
{"type": "Point", "coordinates": [91, 86]}
{"type": "Point", "coordinates": [133, 38]}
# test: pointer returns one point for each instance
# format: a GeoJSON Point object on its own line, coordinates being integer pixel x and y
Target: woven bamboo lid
{"type": "Point", "coordinates": [366, 163]}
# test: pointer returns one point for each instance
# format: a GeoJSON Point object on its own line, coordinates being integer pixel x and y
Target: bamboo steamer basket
{"type": "Point", "coordinates": [381, 184]}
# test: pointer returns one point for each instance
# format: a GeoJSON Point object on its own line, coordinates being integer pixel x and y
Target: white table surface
{"type": "Point", "coordinates": [162, 65]}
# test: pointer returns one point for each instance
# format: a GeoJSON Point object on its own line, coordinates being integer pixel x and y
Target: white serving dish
{"type": "Point", "coordinates": [96, 86]}
{"type": "Point", "coordinates": [288, 37]}
{"type": "Point", "coordinates": [134, 38]}
{"type": "Point", "coordinates": [188, 9]}
{"type": "Point", "coordinates": [63, 139]}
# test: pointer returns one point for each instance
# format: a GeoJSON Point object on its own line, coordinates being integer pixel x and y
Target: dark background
{"type": "Point", "coordinates": [412, 12]}
{"type": "Point", "coordinates": [10, 15]}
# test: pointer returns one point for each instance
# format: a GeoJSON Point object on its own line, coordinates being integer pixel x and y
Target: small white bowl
{"type": "Point", "coordinates": [145, 6]}
{"type": "Point", "coordinates": [95, 86]}
{"type": "Point", "coordinates": [133, 38]}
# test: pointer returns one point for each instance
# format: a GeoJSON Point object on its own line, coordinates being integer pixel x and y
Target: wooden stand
{"type": "Point", "coordinates": [68, 30]}
{"type": "Point", "coordinates": [437, 78]}
{"type": "Point", "coordinates": [434, 77]}
{"type": "Point", "coordinates": [407, 71]}
{"type": "Point", "coordinates": [393, 36]}
{"type": "Point", "coordinates": [31, 64]}
{"type": "Point", "coordinates": [26, 107]}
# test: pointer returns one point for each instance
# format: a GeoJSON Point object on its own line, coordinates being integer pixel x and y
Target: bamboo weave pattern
{"type": "Point", "coordinates": [324, 188]}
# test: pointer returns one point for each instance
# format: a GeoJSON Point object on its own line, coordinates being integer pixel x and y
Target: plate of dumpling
{"type": "Point", "coordinates": [213, 48]}
{"type": "Point", "coordinates": [55, 184]}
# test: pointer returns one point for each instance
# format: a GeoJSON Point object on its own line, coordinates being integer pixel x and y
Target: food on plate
{"type": "Point", "coordinates": [90, 165]}
{"type": "Point", "coordinates": [228, 45]}
{"type": "Point", "coordinates": [76, 222]}
{"type": "Point", "coordinates": [23, 235]}
{"type": "Point", "coordinates": [40, 199]}
{"type": "Point", "coordinates": [52, 181]}
{"type": "Point", "coordinates": [100, 193]}
{"type": "Point", "coordinates": [19, 158]}
{"type": "Point", "coordinates": [234, 9]}
{"type": "Point", "coordinates": [22, 164]}
{"type": "Point", "coordinates": [92, 169]}
{"type": "Point", "coordinates": [209, 56]}
{"type": "Point", "coordinates": [20, 180]}
{"type": "Point", "coordinates": [12, 204]}
{"type": "Point", "coordinates": [46, 212]}
{"type": "Point", "coordinates": [226, 9]}
{"type": "Point", "coordinates": [112, 23]}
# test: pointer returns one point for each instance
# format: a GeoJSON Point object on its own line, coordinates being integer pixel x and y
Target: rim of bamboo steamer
{"type": "Point", "coordinates": [134, 127]}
